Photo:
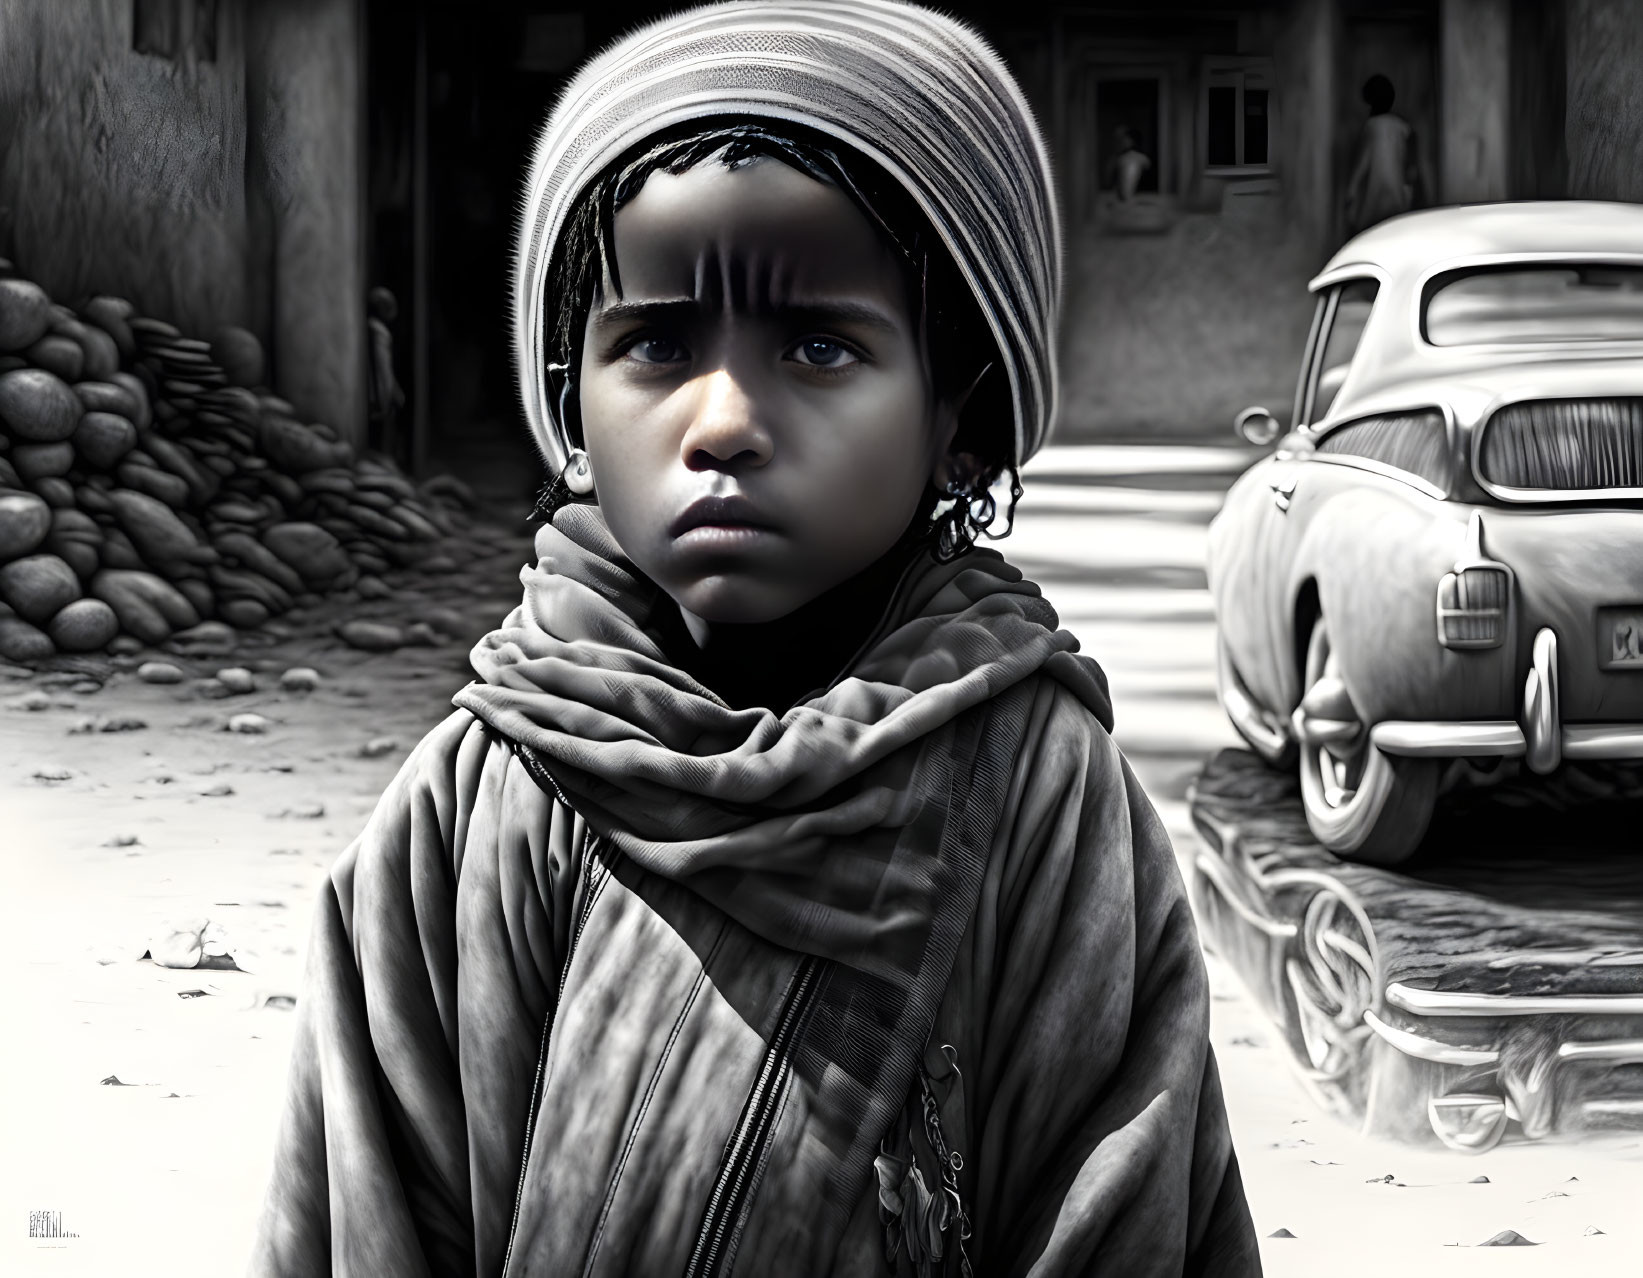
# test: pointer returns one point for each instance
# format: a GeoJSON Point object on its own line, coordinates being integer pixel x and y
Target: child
{"type": "Point", "coordinates": [776, 902]}
{"type": "Point", "coordinates": [1386, 179]}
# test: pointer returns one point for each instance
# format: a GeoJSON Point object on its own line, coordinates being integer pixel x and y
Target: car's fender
{"type": "Point", "coordinates": [1375, 553]}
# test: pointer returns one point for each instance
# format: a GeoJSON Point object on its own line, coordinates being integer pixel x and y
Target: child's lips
{"type": "Point", "coordinates": [731, 518]}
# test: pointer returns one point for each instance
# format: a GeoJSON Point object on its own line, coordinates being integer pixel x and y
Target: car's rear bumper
{"type": "Point", "coordinates": [1540, 736]}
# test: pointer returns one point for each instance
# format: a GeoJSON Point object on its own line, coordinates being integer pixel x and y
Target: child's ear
{"type": "Point", "coordinates": [947, 467]}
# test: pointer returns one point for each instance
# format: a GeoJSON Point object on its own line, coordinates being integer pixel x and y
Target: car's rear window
{"type": "Point", "coordinates": [1536, 305]}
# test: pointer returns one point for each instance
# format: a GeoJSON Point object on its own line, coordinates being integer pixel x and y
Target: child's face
{"type": "Point", "coordinates": [756, 405]}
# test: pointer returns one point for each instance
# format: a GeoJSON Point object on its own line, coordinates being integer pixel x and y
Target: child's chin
{"type": "Point", "coordinates": [738, 601]}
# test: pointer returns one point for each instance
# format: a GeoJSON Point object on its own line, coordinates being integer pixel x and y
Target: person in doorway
{"type": "Point", "coordinates": [776, 901]}
{"type": "Point", "coordinates": [386, 395]}
{"type": "Point", "coordinates": [1130, 165]}
{"type": "Point", "coordinates": [1386, 177]}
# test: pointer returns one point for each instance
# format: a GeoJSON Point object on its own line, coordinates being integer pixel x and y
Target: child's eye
{"type": "Point", "coordinates": [656, 350]}
{"type": "Point", "coordinates": [819, 353]}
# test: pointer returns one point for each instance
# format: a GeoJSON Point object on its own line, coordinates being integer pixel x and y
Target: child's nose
{"type": "Point", "coordinates": [728, 426]}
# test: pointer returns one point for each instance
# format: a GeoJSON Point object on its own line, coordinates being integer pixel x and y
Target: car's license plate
{"type": "Point", "coordinates": [1620, 638]}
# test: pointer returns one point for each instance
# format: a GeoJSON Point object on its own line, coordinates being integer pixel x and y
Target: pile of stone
{"type": "Point", "coordinates": [150, 482]}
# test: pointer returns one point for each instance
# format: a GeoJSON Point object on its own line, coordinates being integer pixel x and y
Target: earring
{"type": "Point", "coordinates": [578, 474]}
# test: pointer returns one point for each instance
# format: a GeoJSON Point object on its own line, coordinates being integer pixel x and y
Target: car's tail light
{"type": "Point", "coordinates": [1474, 601]}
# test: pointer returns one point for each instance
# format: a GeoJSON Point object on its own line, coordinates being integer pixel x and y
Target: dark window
{"type": "Point", "coordinates": [1255, 140]}
{"type": "Point", "coordinates": [1412, 442]}
{"type": "Point", "coordinates": [1223, 126]}
{"type": "Point", "coordinates": [1237, 113]}
{"type": "Point", "coordinates": [175, 29]}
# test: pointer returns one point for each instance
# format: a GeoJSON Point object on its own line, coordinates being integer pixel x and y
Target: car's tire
{"type": "Point", "coordinates": [1372, 806]}
{"type": "Point", "coordinates": [1267, 735]}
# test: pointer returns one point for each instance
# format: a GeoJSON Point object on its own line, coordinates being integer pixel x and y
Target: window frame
{"type": "Point", "coordinates": [1323, 326]}
{"type": "Point", "coordinates": [1241, 74]}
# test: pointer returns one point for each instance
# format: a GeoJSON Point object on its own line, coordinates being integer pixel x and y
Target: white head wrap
{"type": "Point", "coordinates": [918, 92]}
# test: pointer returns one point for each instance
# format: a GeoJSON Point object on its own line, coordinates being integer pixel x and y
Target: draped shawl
{"type": "Point", "coordinates": [804, 827]}
{"type": "Point", "coordinates": [919, 93]}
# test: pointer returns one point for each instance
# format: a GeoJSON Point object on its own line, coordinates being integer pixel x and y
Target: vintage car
{"type": "Point", "coordinates": [1442, 559]}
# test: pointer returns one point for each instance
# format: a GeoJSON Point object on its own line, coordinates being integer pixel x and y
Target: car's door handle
{"type": "Point", "coordinates": [1282, 491]}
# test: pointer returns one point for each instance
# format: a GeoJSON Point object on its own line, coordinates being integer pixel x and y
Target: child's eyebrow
{"type": "Point", "coordinates": [833, 311]}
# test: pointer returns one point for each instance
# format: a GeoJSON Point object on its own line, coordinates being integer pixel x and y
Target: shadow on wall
{"type": "Point", "coordinates": [1173, 324]}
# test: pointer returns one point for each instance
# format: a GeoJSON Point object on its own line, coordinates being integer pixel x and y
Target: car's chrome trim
{"type": "Point", "coordinates": [1543, 495]}
{"type": "Point", "coordinates": [1542, 714]}
{"type": "Point", "coordinates": [1427, 1050]}
{"type": "Point", "coordinates": [1501, 738]}
{"type": "Point", "coordinates": [1624, 1050]}
{"type": "Point", "coordinates": [1603, 741]}
{"type": "Point", "coordinates": [1504, 739]}
{"type": "Point", "coordinates": [1263, 729]}
{"type": "Point", "coordinates": [1424, 486]}
{"type": "Point", "coordinates": [1346, 272]}
{"type": "Point", "coordinates": [1422, 1002]}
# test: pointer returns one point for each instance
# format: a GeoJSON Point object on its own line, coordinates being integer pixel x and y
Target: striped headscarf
{"type": "Point", "coordinates": [919, 93]}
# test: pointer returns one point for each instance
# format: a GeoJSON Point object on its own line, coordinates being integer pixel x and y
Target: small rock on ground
{"type": "Point", "coordinates": [371, 636]}
{"type": "Point", "coordinates": [1508, 1238]}
{"type": "Point", "coordinates": [159, 672]}
{"type": "Point", "coordinates": [237, 679]}
{"type": "Point", "coordinates": [122, 723]}
{"type": "Point", "coordinates": [248, 723]}
{"type": "Point", "coordinates": [299, 679]}
{"type": "Point", "coordinates": [376, 747]}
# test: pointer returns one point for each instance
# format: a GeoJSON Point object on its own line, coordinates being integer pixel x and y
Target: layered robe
{"type": "Point", "coordinates": [619, 980]}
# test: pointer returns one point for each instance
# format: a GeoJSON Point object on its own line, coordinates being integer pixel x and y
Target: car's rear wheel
{"type": "Point", "coordinates": [1361, 803]}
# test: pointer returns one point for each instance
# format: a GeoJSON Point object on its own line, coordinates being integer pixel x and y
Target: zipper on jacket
{"type": "Point", "coordinates": [594, 877]}
{"type": "Point", "coordinates": [746, 1148]}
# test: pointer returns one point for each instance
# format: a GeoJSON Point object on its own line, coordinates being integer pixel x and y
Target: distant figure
{"type": "Point", "coordinates": [1129, 165]}
{"type": "Point", "coordinates": [387, 397]}
{"type": "Point", "coordinates": [1386, 178]}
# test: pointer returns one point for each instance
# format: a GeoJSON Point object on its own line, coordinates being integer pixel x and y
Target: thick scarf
{"type": "Point", "coordinates": [791, 825]}
{"type": "Point", "coordinates": [855, 827]}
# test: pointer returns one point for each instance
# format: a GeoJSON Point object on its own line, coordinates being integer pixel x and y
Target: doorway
{"type": "Point", "coordinates": [1126, 110]}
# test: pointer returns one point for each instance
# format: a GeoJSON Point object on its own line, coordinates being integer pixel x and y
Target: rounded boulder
{"type": "Point", "coordinates": [83, 626]}
{"type": "Point", "coordinates": [22, 642]}
{"type": "Point", "coordinates": [43, 461]}
{"type": "Point", "coordinates": [111, 314]}
{"type": "Point", "coordinates": [24, 522]}
{"type": "Point", "coordinates": [25, 314]}
{"type": "Point", "coordinates": [38, 406]}
{"type": "Point", "coordinates": [101, 351]}
{"type": "Point", "coordinates": [60, 354]}
{"type": "Point", "coordinates": [38, 587]}
{"type": "Point", "coordinates": [239, 354]}
{"type": "Point", "coordinates": [148, 606]}
{"type": "Point", "coordinates": [103, 438]}
{"type": "Point", "coordinates": [159, 536]}
{"type": "Point", "coordinates": [315, 554]}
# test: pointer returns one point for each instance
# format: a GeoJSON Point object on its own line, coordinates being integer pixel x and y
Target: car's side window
{"type": "Point", "coordinates": [1345, 313]}
{"type": "Point", "coordinates": [1413, 442]}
